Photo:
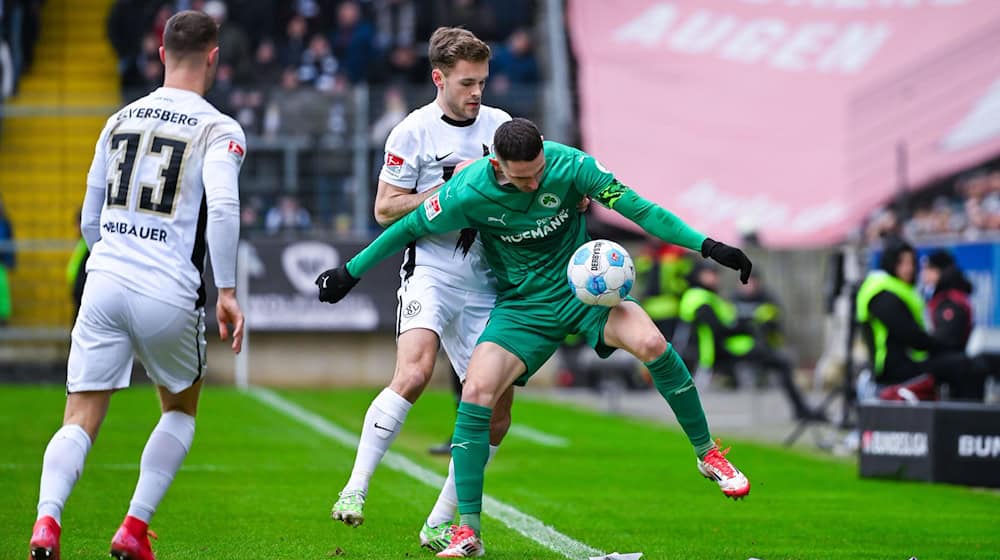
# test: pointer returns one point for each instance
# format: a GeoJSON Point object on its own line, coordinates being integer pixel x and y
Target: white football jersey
{"type": "Point", "coordinates": [420, 154]}
{"type": "Point", "coordinates": [152, 159]}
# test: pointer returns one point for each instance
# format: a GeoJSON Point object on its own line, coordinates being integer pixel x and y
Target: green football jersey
{"type": "Point", "coordinates": [528, 237]}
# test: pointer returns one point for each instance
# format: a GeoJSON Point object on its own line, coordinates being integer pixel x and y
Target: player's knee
{"type": "Point", "coordinates": [411, 379]}
{"type": "Point", "coordinates": [477, 393]}
{"type": "Point", "coordinates": [651, 346]}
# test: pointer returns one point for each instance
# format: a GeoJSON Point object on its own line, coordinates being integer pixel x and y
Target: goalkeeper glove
{"type": "Point", "coordinates": [334, 284]}
{"type": "Point", "coordinates": [727, 256]}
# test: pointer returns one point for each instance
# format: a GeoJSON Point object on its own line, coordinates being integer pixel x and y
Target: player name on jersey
{"type": "Point", "coordinates": [142, 232]}
{"type": "Point", "coordinates": [157, 113]}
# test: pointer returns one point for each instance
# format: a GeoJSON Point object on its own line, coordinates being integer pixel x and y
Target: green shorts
{"type": "Point", "coordinates": [532, 330]}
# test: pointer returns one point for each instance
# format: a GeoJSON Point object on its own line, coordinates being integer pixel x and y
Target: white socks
{"type": "Point", "coordinates": [447, 502]}
{"type": "Point", "coordinates": [383, 421]}
{"type": "Point", "coordinates": [161, 459]}
{"type": "Point", "coordinates": [61, 468]}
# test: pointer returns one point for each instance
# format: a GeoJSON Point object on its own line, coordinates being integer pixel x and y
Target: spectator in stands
{"type": "Point", "coordinates": [221, 94]}
{"type": "Point", "coordinates": [295, 42]}
{"type": "Point", "coordinates": [352, 41]}
{"type": "Point", "coordinates": [251, 214]}
{"type": "Point", "coordinates": [266, 67]}
{"type": "Point", "coordinates": [721, 342]}
{"type": "Point", "coordinates": [8, 259]}
{"type": "Point", "coordinates": [395, 29]}
{"type": "Point", "coordinates": [395, 110]}
{"type": "Point", "coordinates": [515, 59]}
{"type": "Point", "coordinates": [125, 31]}
{"type": "Point", "coordinates": [395, 24]}
{"type": "Point", "coordinates": [478, 16]}
{"type": "Point", "coordinates": [759, 310]}
{"type": "Point", "coordinates": [234, 45]}
{"type": "Point", "coordinates": [891, 313]}
{"type": "Point", "coordinates": [318, 67]}
{"type": "Point", "coordinates": [949, 306]}
{"type": "Point", "coordinates": [287, 215]}
{"type": "Point", "coordinates": [299, 110]}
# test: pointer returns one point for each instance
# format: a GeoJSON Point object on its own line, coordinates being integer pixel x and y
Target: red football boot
{"type": "Point", "coordinates": [45, 539]}
{"type": "Point", "coordinates": [131, 542]}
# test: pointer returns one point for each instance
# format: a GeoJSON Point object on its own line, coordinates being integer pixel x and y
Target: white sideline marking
{"type": "Point", "coordinates": [511, 517]}
{"type": "Point", "coordinates": [538, 436]}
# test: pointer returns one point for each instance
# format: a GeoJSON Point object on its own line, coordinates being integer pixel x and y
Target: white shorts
{"type": "Point", "coordinates": [457, 316]}
{"type": "Point", "coordinates": [115, 324]}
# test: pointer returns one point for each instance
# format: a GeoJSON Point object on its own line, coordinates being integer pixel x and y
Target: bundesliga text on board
{"type": "Point", "coordinates": [894, 444]}
{"type": "Point", "coordinates": [979, 446]}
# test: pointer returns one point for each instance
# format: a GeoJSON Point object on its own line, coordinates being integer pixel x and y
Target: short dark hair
{"type": "Point", "coordinates": [893, 248]}
{"type": "Point", "coordinates": [190, 32]}
{"type": "Point", "coordinates": [448, 45]}
{"type": "Point", "coordinates": [940, 259]}
{"type": "Point", "coordinates": [517, 140]}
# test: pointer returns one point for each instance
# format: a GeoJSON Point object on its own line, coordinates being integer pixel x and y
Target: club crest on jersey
{"type": "Point", "coordinates": [549, 200]}
{"type": "Point", "coordinates": [394, 163]}
{"type": "Point", "coordinates": [412, 309]}
{"type": "Point", "coordinates": [432, 206]}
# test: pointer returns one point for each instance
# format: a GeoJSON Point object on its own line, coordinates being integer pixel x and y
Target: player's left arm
{"type": "Point", "coordinates": [220, 175]}
{"type": "Point", "coordinates": [97, 186]}
{"type": "Point", "coordinates": [593, 179]}
{"type": "Point", "coordinates": [441, 213]}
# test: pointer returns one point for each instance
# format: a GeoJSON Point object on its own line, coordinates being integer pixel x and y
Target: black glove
{"type": "Point", "coordinates": [727, 256]}
{"type": "Point", "coordinates": [334, 284]}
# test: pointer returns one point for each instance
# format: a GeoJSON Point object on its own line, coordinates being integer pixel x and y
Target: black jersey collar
{"type": "Point", "coordinates": [453, 122]}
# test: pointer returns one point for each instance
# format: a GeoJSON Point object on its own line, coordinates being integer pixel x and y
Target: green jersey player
{"type": "Point", "coordinates": [523, 203]}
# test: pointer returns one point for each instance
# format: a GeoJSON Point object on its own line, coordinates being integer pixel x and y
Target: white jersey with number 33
{"type": "Point", "coordinates": [161, 162]}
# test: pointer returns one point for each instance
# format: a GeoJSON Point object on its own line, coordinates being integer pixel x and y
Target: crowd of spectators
{"type": "Point", "coordinates": [290, 68]}
{"type": "Point", "coordinates": [963, 208]}
{"type": "Point", "coordinates": [19, 26]}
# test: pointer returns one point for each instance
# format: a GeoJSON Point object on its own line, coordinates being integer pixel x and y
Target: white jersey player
{"type": "Point", "coordinates": [447, 291]}
{"type": "Point", "coordinates": [162, 185]}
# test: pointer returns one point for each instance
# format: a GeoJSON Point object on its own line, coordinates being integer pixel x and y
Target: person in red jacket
{"type": "Point", "coordinates": [949, 307]}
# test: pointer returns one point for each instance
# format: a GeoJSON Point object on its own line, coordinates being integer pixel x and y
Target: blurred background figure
{"type": "Point", "coordinates": [717, 342]}
{"type": "Point", "coordinates": [8, 260]}
{"type": "Point", "coordinates": [903, 354]}
{"type": "Point", "coordinates": [287, 215]}
{"type": "Point", "coordinates": [760, 311]}
{"type": "Point", "coordinates": [950, 308]}
{"type": "Point", "coordinates": [663, 270]}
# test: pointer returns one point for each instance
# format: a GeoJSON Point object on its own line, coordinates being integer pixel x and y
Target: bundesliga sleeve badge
{"type": "Point", "coordinates": [394, 163]}
{"type": "Point", "coordinates": [432, 206]}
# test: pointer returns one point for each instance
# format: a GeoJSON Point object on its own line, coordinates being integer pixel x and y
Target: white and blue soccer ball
{"type": "Point", "coordinates": [601, 273]}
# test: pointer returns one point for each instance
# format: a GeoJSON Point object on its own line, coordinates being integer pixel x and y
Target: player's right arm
{"type": "Point", "coordinates": [392, 202]}
{"type": "Point", "coordinates": [442, 212]}
{"type": "Point", "coordinates": [397, 193]}
{"type": "Point", "coordinates": [97, 186]}
{"type": "Point", "coordinates": [220, 175]}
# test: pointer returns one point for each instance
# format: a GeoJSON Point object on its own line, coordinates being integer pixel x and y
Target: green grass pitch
{"type": "Point", "coordinates": [259, 485]}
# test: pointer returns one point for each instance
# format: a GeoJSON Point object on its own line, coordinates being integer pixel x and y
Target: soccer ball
{"type": "Point", "coordinates": [601, 273]}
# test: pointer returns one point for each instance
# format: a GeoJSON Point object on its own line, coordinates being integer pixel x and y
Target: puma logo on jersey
{"type": "Point", "coordinates": [499, 220]}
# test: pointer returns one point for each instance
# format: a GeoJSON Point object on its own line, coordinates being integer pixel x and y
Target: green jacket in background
{"type": "Point", "coordinates": [736, 344]}
{"type": "Point", "coordinates": [876, 282]}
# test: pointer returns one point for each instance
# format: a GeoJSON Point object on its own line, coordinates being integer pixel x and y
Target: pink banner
{"type": "Point", "coordinates": [785, 116]}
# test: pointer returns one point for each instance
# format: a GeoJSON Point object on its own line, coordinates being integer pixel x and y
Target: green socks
{"type": "Point", "coordinates": [470, 448]}
{"type": "Point", "coordinates": [673, 381]}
